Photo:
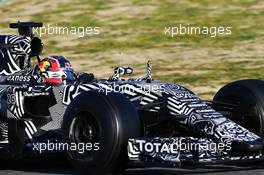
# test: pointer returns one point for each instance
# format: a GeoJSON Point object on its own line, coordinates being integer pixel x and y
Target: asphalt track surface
{"type": "Point", "coordinates": [59, 167]}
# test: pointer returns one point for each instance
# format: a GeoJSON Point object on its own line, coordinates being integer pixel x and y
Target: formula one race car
{"type": "Point", "coordinates": [104, 124]}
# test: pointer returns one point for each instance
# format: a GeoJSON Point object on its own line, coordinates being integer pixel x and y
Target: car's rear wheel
{"type": "Point", "coordinates": [104, 123]}
{"type": "Point", "coordinates": [247, 96]}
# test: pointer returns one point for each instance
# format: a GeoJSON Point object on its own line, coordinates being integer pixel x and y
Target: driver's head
{"type": "Point", "coordinates": [55, 70]}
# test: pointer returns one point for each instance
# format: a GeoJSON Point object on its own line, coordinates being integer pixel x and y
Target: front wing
{"type": "Point", "coordinates": [178, 150]}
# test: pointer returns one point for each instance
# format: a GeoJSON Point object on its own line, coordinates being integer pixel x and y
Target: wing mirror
{"type": "Point", "coordinates": [123, 70]}
{"type": "Point", "coordinates": [118, 71]}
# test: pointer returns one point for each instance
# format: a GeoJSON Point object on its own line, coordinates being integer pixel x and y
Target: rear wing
{"type": "Point", "coordinates": [16, 50]}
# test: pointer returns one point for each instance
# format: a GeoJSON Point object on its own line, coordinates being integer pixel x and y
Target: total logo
{"type": "Point", "coordinates": [18, 78]}
{"type": "Point", "coordinates": [156, 147]}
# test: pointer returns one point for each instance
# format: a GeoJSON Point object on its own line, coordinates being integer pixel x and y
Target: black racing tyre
{"type": "Point", "coordinates": [105, 122]}
{"type": "Point", "coordinates": [248, 98]}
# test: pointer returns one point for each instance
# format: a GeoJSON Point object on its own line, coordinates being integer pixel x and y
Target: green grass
{"type": "Point", "coordinates": [246, 24]}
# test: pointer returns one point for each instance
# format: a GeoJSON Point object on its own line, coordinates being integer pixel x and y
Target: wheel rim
{"type": "Point", "coordinates": [84, 129]}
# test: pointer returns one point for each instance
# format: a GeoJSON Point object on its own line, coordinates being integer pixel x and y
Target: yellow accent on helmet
{"type": "Point", "coordinates": [44, 66]}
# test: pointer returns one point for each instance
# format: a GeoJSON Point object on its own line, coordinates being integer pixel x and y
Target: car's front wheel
{"type": "Point", "coordinates": [247, 96]}
{"type": "Point", "coordinates": [100, 126]}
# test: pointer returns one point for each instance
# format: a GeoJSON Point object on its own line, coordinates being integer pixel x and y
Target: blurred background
{"type": "Point", "coordinates": [132, 31]}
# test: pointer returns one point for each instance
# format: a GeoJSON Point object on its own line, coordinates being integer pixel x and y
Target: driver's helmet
{"type": "Point", "coordinates": [55, 70]}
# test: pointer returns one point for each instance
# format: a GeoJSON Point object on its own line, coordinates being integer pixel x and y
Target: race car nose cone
{"type": "Point", "coordinates": [246, 148]}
